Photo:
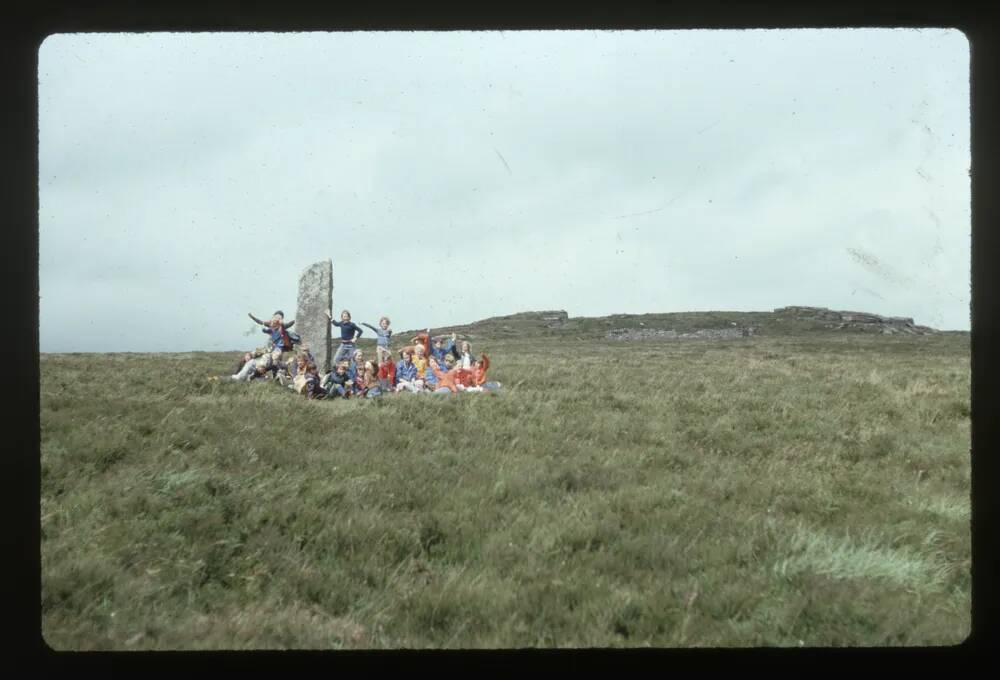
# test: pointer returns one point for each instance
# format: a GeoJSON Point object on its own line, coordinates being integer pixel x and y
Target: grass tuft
{"type": "Point", "coordinates": [787, 489]}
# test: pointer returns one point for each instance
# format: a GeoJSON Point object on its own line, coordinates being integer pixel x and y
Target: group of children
{"type": "Point", "coordinates": [441, 367]}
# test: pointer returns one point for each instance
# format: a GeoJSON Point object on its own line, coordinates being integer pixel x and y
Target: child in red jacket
{"type": "Point", "coordinates": [387, 373]}
{"type": "Point", "coordinates": [474, 380]}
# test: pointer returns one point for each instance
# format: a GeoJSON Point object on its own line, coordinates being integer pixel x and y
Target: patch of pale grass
{"type": "Point", "coordinates": [959, 509]}
{"type": "Point", "coordinates": [301, 626]}
{"type": "Point", "coordinates": [864, 557]}
{"type": "Point", "coordinates": [170, 481]}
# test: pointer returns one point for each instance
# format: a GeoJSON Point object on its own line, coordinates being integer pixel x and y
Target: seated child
{"type": "Point", "coordinates": [278, 316]}
{"type": "Point", "coordinates": [277, 330]}
{"type": "Point", "coordinates": [440, 349]}
{"type": "Point", "coordinates": [387, 374]}
{"type": "Point", "coordinates": [465, 358]}
{"type": "Point", "coordinates": [406, 375]}
{"type": "Point", "coordinates": [298, 372]}
{"type": "Point", "coordinates": [371, 383]}
{"type": "Point", "coordinates": [430, 379]}
{"type": "Point", "coordinates": [419, 339]}
{"type": "Point", "coordinates": [420, 361]}
{"type": "Point", "coordinates": [302, 351]}
{"type": "Point", "coordinates": [479, 374]}
{"type": "Point", "coordinates": [445, 378]}
{"type": "Point", "coordinates": [312, 389]}
{"type": "Point", "coordinates": [255, 368]}
{"type": "Point", "coordinates": [356, 363]}
{"type": "Point", "coordinates": [337, 383]}
{"type": "Point", "coordinates": [362, 381]}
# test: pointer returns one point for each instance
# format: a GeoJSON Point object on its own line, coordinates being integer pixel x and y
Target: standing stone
{"type": "Point", "coordinates": [315, 300]}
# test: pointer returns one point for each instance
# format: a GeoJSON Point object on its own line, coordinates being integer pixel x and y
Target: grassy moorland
{"type": "Point", "coordinates": [799, 487]}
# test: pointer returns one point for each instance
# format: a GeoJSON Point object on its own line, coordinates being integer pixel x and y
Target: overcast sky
{"type": "Point", "coordinates": [187, 179]}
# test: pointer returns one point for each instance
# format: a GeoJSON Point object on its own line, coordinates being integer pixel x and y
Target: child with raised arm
{"type": "Point", "coordinates": [479, 374]}
{"type": "Point", "coordinates": [278, 316]}
{"type": "Point", "coordinates": [383, 334]}
{"type": "Point", "coordinates": [349, 334]}
{"type": "Point", "coordinates": [440, 349]}
{"type": "Point", "coordinates": [277, 329]}
{"type": "Point", "coordinates": [445, 378]}
{"type": "Point", "coordinates": [279, 339]}
{"type": "Point", "coordinates": [420, 339]}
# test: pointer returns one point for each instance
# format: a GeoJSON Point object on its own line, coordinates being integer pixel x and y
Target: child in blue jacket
{"type": "Point", "coordinates": [277, 330]}
{"type": "Point", "coordinates": [349, 334]}
{"type": "Point", "coordinates": [337, 383]}
{"type": "Point", "coordinates": [439, 350]}
{"type": "Point", "coordinates": [382, 341]}
{"type": "Point", "coordinates": [406, 374]}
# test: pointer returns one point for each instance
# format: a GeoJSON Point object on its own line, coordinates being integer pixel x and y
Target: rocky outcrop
{"type": "Point", "coordinates": [315, 300]}
{"type": "Point", "coordinates": [554, 319]}
{"type": "Point", "coordinates": [663, 334]}
{"type": "Point", "coordinates": [865, 321]}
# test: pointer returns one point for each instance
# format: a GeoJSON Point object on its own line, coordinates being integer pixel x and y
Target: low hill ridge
{"type": "Point", "coordinates": [791, 320]}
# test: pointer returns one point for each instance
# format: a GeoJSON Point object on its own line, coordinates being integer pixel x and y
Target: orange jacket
{"type": "Point", "coordinates": [425, 340]}
{"type": "Point", "coordinates": [464, 377]}
{"type": "Point", "coordinates": [444, 378]}
{"type": "Point", "coordinates": [472, 377]}
{"type": "Point", "coordinates": [479, 373]}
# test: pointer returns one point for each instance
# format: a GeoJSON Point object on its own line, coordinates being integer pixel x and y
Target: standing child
{"type": "Point", "coordinates": [382, 341]}
{"type": "Point", "coordinates": [349, 334]}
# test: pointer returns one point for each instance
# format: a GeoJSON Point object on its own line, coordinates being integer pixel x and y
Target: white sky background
{"type": "Point", "coordinates": [187, 179]}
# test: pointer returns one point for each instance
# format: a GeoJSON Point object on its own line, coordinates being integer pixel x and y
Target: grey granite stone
{"type": "Point", "coordinates": [315, 300]}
